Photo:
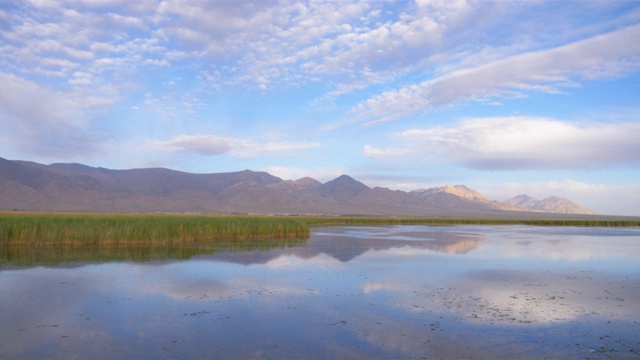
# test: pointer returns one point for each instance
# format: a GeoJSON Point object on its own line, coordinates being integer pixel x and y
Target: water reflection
{"type": "Point", "coordinates": [28, 256]}
{"type": "Point", "coordinates": [346, 292]}
{"type": "Point", "coordinates": [347, 243]}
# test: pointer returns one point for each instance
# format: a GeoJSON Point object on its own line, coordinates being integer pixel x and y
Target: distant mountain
{"type": "Point", "coordinates": [76, 187]}
{"type": "Point", "coordinates": [552, 204]}
{"type": "Point", "coordinates": [457, 190]}
{"type": "Point", "coordinates": [341, 189]}
{"type": "Point", "coordinates": [460, 195]}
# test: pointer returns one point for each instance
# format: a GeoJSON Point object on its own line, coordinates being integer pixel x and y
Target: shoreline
{"type": "Point", "coordinates": [101, 229]}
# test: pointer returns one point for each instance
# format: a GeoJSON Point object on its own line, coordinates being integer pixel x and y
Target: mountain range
{"type": "Point", "coordinates": [28, 185]}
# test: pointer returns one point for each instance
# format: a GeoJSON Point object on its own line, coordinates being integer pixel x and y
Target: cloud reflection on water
{"type": "Point", "coordinates": [442, 292]}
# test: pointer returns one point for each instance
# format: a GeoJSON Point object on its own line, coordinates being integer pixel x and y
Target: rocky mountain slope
{"type": "Point", "coordinates": [76, 187]}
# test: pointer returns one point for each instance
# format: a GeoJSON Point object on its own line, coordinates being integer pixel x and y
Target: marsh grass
{"type": "Point", "coordinates": [40, 229]}
{"type": "Point", "coordinates": [46, 229]}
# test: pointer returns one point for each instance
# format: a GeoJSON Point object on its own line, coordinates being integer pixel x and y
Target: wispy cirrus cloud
{"type": "Point", "coordinates": [550, 70]}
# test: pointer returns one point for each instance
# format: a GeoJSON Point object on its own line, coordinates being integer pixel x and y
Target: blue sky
{"type": "Point", "coordinates": [506, 97]}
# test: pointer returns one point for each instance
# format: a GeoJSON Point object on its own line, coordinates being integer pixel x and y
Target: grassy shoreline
{"type": "Point", "coordinates": [46, 229]}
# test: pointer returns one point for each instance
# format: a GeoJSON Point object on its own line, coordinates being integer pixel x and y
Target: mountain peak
{"type": "Point", "coordinates": [344, 178]}
{"type": "Point", "coordinates": [458, 190]}
{"type": "Point", "coordinates": [259, 177]}
{"type": "Point", "coordinates": [342, 188]}
{"type": "Point", "coordinates": [523, 196]}
{"type": "Point", "coordinates": [307, 181]}
{"type": "Point", "coordinates": [523, 201]}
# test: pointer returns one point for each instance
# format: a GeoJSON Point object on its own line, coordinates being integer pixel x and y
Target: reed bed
{"type": "Point", "coordinates": [45, 229]}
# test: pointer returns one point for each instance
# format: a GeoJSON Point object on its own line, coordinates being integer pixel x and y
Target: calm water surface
{"type": "Point", "coordinates": [346, 292]}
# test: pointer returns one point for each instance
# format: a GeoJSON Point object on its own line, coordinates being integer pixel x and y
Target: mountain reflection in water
{"type": "Point", "coordinates": [444, 292]}
{"type": "Point", "coordinates": [345, 243]}
{"type": "Point", "coordinates": [330, 241]}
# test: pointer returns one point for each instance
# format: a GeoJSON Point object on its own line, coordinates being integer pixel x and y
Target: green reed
{"type": "Point", "coordinates": [121, 229]}
{"type": "Point", "coordinates": [43, 229]}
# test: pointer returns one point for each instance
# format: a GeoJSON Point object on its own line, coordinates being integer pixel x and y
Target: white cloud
{"type": "Point", "coordinates": [511, 143]}
{"type": "Point", "coordinates": [81, 78]}
{"type": "Point", "coordinates": [155, 62]}
{"type": "Point", "coordinates": [50, 47]}
{"type": "Point", "coordinates": [211, 145]}
{"type": "Point", "coordinates": [291, 42]}
{"type": "Point", "coordinates": [598, 57]}
{"type": "Point", "coordinates": [351, 46]}
{"type": "Point", "coordinates": [206, 145]}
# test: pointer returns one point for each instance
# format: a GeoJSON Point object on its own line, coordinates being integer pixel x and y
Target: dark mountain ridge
{"type": "Point", "coordinates": [341, 189]}
{"type": "Point", "coordinates": [75, 187]}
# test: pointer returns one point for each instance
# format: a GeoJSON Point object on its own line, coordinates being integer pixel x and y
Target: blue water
{"type": "Point", "coordinates": [348, 292]}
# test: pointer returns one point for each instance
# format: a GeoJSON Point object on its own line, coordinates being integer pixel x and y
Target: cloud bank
{"type": "Point", "coordinates": [518, 143]}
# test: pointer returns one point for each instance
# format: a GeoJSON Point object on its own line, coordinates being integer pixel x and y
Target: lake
{"type": "Point", "coordinates": [383, 292]}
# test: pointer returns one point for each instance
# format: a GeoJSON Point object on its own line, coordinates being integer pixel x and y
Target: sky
{"type": "Point", "coordinates": [506, 97]}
